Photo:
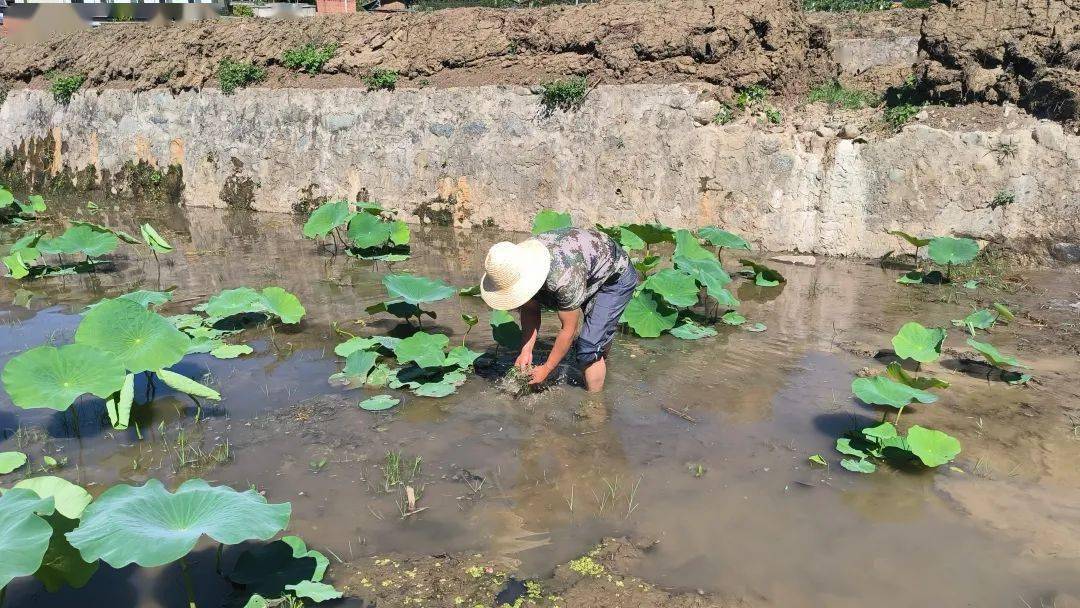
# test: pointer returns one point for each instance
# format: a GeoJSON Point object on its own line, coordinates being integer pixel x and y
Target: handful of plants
{"type": "Point", "coordinates": [516, 381]}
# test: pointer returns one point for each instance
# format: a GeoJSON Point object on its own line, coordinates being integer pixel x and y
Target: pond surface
{"type": "Point", "coordinates": [728, 495]}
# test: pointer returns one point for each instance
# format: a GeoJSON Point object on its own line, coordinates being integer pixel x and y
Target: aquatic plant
{"type": "Point", "coordinates": [897, 372]}
{"type": "Point", "coordinates": [365, 229]}
{"type": "Point", "coordinates": [407, 292]}
{"type": "Point", "coordinates": [267, 570]}
{"type": "Point", "coordinates": [1001, 362]}
{"type": "Point", "coordinates": [914, 241]}
{"type": "Point", "coordinates": [425, 366]}
{"type": "Point", "coordinates": [981, 318]}
{"type": "Point", "coordinates": [931, 447]}
{"type": "Point", "coordinates": [548, 220]}
{"type": "Point", "coordinates": [25, 533]}
{"type": "Point", "coordinates": [675, 287]}
{"type": "Point", "coordinates": [722, 238]}
{"type": "Point", "coordinates": [505, 330]}
{"type": "Point", "coordinates": [763, 275]}
{"type": "Point", "coordinates": [10, 461]}
{"type": "Point", "coordinates": [919, 343]}
{"type": "Point", "coordinates": [648, 316]}
{"type": "Point", "coordinates": [880, 390]}
{"type": "Point", "coordinates": [378, 403]}
{"type": "Point", "coordinates": [271, 300]}
{"type": "Point", "coordinates": [14, 211]}
{"type": "Point", "coordinates": [948, 251]}
{"type": "Point", "coordinates": [689, 330]}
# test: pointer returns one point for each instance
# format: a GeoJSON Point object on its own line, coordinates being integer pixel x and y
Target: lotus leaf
{"type": "Point", "coordinates": [416, 290]}
{"type": "Point", "coordinates": [914, 341]}
{"type": "Point", "coordinates": [651, 234]}
{"type": "Point", "coordinates": [646, 264]}
{"type": "Point", "coordinates": [6, 198]}
{"type": "Point", "coordinates": [185, 321]}
{"type": "Point", "coordinates": [897, 372]}
{"type": "Point", "coordinates": [675, 287]}
{"type": "Point", "coordinates": [1004, 312]}
{"type": "Point", "coordinates": [881, 432]}
{"type": "Point", "coordinates": [733, 318]}
{"type": "Point", "coordinates": [149, 526]}
{"type": "Point", "coordinates": [629, 240]}
{"type": "Point", "coordinates": [398, 308]}
{"type": "Point", "coordinates": [993, 355]}
{"type": "Point", "coordinates": [933, 448]}
{"type": "Point", "coordinates": [69, 499]}
{"type": "Point", "coordinates": [358, 365]}
{"type": "Point", "coordinates": [380, 376]}
{"type": "Point", "coordinates": [504, 330]}
{"type": "Point", "coordinates": [470, 320]}
{"type": "Point", "coordinates": [948, 250]}
{"type": "Point", "coordinates": [722, 238]}
{"type": "Point", "coordinates": [230, 351]}
{"type": "Point", "coordinates": [80, 239]}
{"type": "Point", "coordinates": [27, 245]}
{"type": "Point", "coordinates": [647, 316]}
{"type": "Point", "coordinates": [378, 403]}
{"type": "Point", "coordinates": [911, 278]}
{"type": "Point", "coordinates": [757, 327]}
{"type": "Point", "coordinates": [266, 570]}
{"type": "Point", "coordinates": [272, 300]}
{"type": "Point", "coordinates": [843, 445]}
{"type": "Point", "coordinates": [316, 592]}
{"type": "Point", "coordinates": [24, 535]}
{"type": "Point", "coordinates": [62, 564]}
{"type": "Point", "coordinates": [858, 466]}
{"type": "Point", "coordinates": [326, 218]}
{"type": "Point", "coordinates": [548, 220]}
{"type": "Point", "coordinates": [186, 385]}
{"type": "Point", "coordinates": [285, 305]}
{"type": "Point", "coordinates": [359, 343]}
{"type": "Point", "coordinates": [400, 234]}
{"type": "Point", "coordinates": [462, 357]}
{"type": "Point", "coordinates": [913, 240]}
{"type": "Point", "coordinates": [9, 461]}
{"type": "Point", "coordinates": [425, 349]}
{"type": "Point", "coordinates": [367, 231]}
{"type": "Point", "coordinates": [142, 297]}
{"type": "Point", "coordinates": [141, 339]}
{"type": "Point", "coordinates": [154, 240]}
{"type": "Point", "coordinates": [979, 319]}
{"type": "Point", "coordinates": [472, 290]}
{"type": "Point", "coordinates": [692, 331]}
{"type": "Point", "coordinates": [16, 265]}
{"type": "Point", "coordinates": [438, 389]}
{"type": "Point", "coordinates": [53, 377]}
{"type": "Point", "coordinates": [118, 406]}
{"type": "Point", "coordinates": [879, 390]}
{"type": "Point", "coordinates": [763, 275]}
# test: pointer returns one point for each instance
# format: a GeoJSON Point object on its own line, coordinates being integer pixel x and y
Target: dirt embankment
{"type": "Point", "coordinates": [616, 41]}
{"type": "Point", "coordinates": [1021, 51]}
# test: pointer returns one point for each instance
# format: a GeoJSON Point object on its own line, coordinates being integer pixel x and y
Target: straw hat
{"type": "Point", "coordinates": [514, 273]}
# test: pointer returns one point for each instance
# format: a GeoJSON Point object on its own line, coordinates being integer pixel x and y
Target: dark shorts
{"type": "Point", "coordinates": [602, 316]}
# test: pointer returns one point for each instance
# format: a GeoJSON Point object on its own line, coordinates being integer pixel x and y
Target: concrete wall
{"type": "Point", "coordinates": [631, 153]}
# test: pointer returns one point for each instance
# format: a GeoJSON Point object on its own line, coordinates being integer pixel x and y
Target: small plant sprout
{"type": "Point", "coordinates": [63, 87]}
{"type": "Point", "coordinates": [381, 79]}
{"type": "Point", "coordinates": [724, 115]}
{"type": "Point", "coordinates": [308, 58]}
{"type": "Point", "coordinates": [564, 94]}
{"type": "Point", "coordinates": [751, 96]}
{"type": "Point", "coordinates": [1005, 150]}
{"type": "Point", "coordinates": [1002, 199]}
{"type": "Point", "coordinates": [914, 241]}
{"type": "Point", "coordinates": [234, 75]}
{"type": "Point", "coordinates": [470, 322]}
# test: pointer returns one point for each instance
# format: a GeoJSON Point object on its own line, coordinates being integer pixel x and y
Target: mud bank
{"type": "Point", "coordinates": [492, 156]}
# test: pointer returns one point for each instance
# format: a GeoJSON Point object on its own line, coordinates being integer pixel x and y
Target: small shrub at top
{"type": "Point", "coordinates": [238, 74]}
{"type": "Point", "coordinates": [565, 94]}
{"type": "Point", "coordinates": [381, 79]}
{"type": "Point", "coordinates": [241, 10]}
{"type": "Point", "coordinates": [308, 58]}
{"type": "Point", "coordinates": [63, 87]}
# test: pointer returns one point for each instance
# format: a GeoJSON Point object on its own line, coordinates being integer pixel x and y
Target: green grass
{"type": "Point", "coordinates": [308, 58]}
{"type": "Point", "coordinates": [837, 95]}
{"type": "Point", "coordinates": [63, 87]}
{"type": "Point", "coordinates": [564, 94]}
{"type": "Point", "coordinates": [381, 79]}
{"type": "Point", "coordinates": [917, 3]}
{"type": "Point", "coordinates": [238, 74]}
{"type": "Point", "coordinates": [862, 6]}
{"type": "Point", "coordinates": [241, 10]}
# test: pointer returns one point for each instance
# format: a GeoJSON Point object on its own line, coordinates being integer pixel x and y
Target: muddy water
{"type": "Point", "coordinates": [728, 498]}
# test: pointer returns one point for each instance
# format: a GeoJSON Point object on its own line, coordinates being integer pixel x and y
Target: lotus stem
{"type": "Point", "coordinates": [217, 566]}
{"type": "Point", "coordinates": [187, 583]}
{"type": "Point", "coordinates": [157, 261]}
{"type": "Point", "coordinates": [898, 412]}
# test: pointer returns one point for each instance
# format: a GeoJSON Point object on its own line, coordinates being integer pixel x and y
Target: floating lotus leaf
{"type": "Point", "coordinates": [358, 365]}
{"type": "Point", "coordinates": [316, 592]}
{"type": "Point", "coordinates": [647, 316]}
{"type": "Point", "coordinates": [993, 355]}
{"type": "Point", "coordinates": [185, 321]}
{"type": "Point", "coordinates": [148, 526]}
{"type": "Point", "coordinates": [911, 278]}
{"type": "Point", "coordinates": [913, 240]}
{"type": "Point", "coordinates": [142, 297]}
{"type": "Point", "coordinates": [265, 570]}
{"type": "Point", "coordinates": [52, 377]}
{"type": "Point", "coordinates": [505, 330]}
{"type": "Point", "coordinates": [272, 300]}
{"type": "Point", "coordinates": [24, 535]}
{"type": "Point", "coordinates": [69, 499]}
{"type": "Point", "coordinates": [142, 340]}
{"type": "Point", "coordinates": [881, 432]}
{"type": "Point", "coordinates": [843, 445]}
{"type": "Point", "coordinates": [416, 290]}
{"type": "Point", "coordinates": [548, 220]}
{"type": "Point", "coordinates": [83, 239]}
{"type": "Point", "coordinates": [692, 331]}
{"type": "Point", "coordinates": [359, 343]}
{"type": "Point", "coordinates": [326, 218]}
{"type": "Point", "coordinates": [154, 240]}
{"type": "Point", "coordinates": [979, 319]}
{"type": "Point", "coordinates": [62, 564]}
{"type": "Point", "coordinates": [722, 238]}
{"type": "Point", "coordinates": [425, 349]}
{"type": "Point", "coordinates": [919, 343]}
{"type": "Point", "coordinates": [933, 448]}
{"type": "Point", "coordinates": [379, 376]}
{"type": "Point", "coordinates": [119, 405]}
{"type": "Point", "coordinates": [675, 287]}
{"type": "Point", "coordinates": [9, 461]}
{"type": "Point", "coordinates": [283, 304]}
{"type": "Point", "coordinates": [897, 372]}
{"type": "Point", "coordinates": [947, 250]}
{"type": "Point", "coordinates": [378, 403]}
{"type": "Point", "coordinates": [651, 234]}
{"type": "Point", "coordinates": [230, 351]}
{"type": "Point", "coordinates": [446, 385]}
{"type": "Point", "coordinates": [733, 318]}
{"type": "Point", "coordinates": [186, 385]}
{"type": "Point", "coordinates": [461, 356]}
{"type": "Point", "coordinates": [764, 276]}
{"type": "Point", "coordinates": [367, 231]}
{"type": "Point", "coordinates": [879, 390]}
{"type": "Point", "coordinates": [858, 466]}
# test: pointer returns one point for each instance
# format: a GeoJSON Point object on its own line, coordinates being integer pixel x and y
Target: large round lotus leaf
{"type": "Point", "coordinates": [858, 466]}
{"type": "Point", "coordinates": [505, 330]}
{"type": "Point", "coordinates": [914, 341]}
{"type": "Point", "coordinates": [141, 339]}
{"type": "Point", "coordinates": [400, 234]}
{"type": "Point", "coordinates": [993, 355]}
{"type": "Point", "coordinates": [9, 461]}
{"type": "Point", "coordinates": [150, 527]}
{"type": "Point", "coordinates": [266, 569]}
{"type": "Point", "coordinates": [629, 240]}
{"type": "Point", "coordinates": [880, 390]}
{"type": "Point", "coordinates": [461, 357]}
{"type": "Point", "coordinates": [648, 317]}
{"type": "Point", "coordinates": [70, 500]}
{"type": "Point", "coordinates": [687, 247]}
{"type": "Point", "coordinates": [722, 238]}
{"type": "Point", "coordinates": [677, 288]}
{"type": "Point", "coordinates": [326, 218]}
{"type": "Point", "coordinates": [52, 377]}
{"type": "Point", "coordinates": [367, 230]}
{"type": "Point", "coordinates": [144, 298]}
{"type": "Point", "coordinates": [24, 535]}
{"type": "Point", "coordinates": [232, 302]}
{"type": "Point", "coordinates": [378, 403]}
{"type": "Point", "coordinates": [548, 220]}
{"type": "Point", "coordinates": [651, 234]}
{"type": "Point", "coordinates": [416, 290]}
{"type": "Point", "coordinates": [933, 448]}
{"type": "Point", "coordinates": [83, 239]}
{"type": "Point", "coordinates": [947, 250]}
{"type": "Point", "coordinates": [283, 304]}
{"type": "Point", "coordinates": [423, 348]}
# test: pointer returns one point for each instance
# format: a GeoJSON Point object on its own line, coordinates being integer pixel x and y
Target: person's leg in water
{"type": "Point", "coordinates": [598, 328]}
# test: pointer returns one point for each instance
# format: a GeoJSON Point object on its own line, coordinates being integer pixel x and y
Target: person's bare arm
{"type": "Point", "coordinates": [565, 338]}
{"type": "Point", "coordinates": [530, 326]}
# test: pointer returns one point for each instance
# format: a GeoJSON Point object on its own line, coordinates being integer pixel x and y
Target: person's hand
{"type": "Point", "coordinates": [524, 360]}
{"type": "Point", "coordinates": [540, 373]}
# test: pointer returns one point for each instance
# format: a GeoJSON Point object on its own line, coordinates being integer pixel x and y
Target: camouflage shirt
{"type": "Point", "coordinates": [581, 262]}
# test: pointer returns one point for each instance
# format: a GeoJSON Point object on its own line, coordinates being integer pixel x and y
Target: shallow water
{"type": "Point", "coordinates": [560, 471]}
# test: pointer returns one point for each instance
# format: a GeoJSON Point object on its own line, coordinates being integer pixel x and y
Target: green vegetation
{"type": "Point", "coordinates": [381, 79]}
{"type": "Point", "coordinates": [549, 220]}
{"type": "Point", "coordinates": [13, 211]}
{"type": "Point", "coordinates": [241, 10]}
{"type": "Point", "coordinates": [724, 115]}
{"type": "Point", "coordinates": [861, 6]}
{"type": "Point", "coordinates": [565, 94]}
{"type": "Point", "coordinates": [900, 115]}
{"type": "Point", "coordinates": [944, 251]}
{"type": "Point", "coordinates": [64, 86]}
{"type": "Point", "coordinates": [234, 75]}
{"type": "Point", "coordinates": [308, 58]}
{"type": "Point", "coordinates": [836, 95]}
{"type": "Point", "coordinates": [902, 103]}
{"type": "Point", "coordinates": [1002, 199]}
{"type": "Point", "coordinates": [751, 96]}
{"type": "Point", "coordinates": [364, 229]}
